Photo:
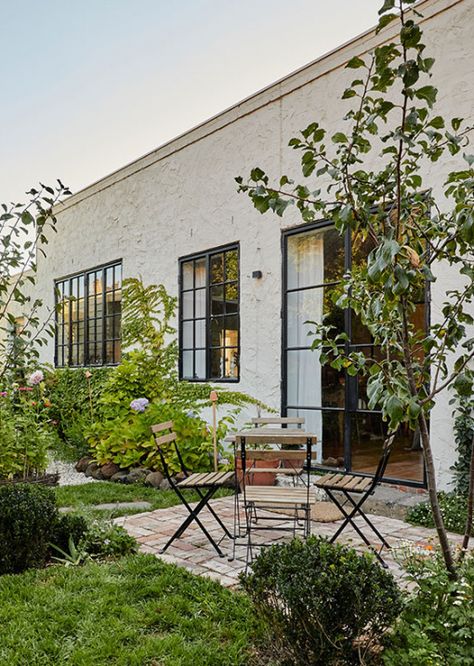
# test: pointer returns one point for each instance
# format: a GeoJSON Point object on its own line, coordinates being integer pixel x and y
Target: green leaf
{"type": "Point", "coordinates": [388, 4]}
{"type": "Point", "coordinates": [385, 20]}
{"type": "Point", "coordinates": [339, 137]}
{"type": "Point", "coordinates": [428, 94]}
{"type": "Point", "coordinates": [355, 63]}
{"type": "Point", "coordinates": [348, 93]}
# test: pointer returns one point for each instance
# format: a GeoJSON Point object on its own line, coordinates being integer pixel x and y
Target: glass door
{"type": "Point", "coordinates": [334, 405]}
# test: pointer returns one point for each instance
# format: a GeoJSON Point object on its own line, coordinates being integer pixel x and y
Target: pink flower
{"type": "Point", "coordinates": [3, 394]}
{"type": "Point", "coordinates": [25, 388]}
{"type": "Point", "coordinates": [36, 378]}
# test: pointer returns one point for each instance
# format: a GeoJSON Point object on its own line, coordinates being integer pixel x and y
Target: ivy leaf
{"type": "Point", "coordinates": [385, 20]}
{"type": "Point", "coordinates": [339, 137]}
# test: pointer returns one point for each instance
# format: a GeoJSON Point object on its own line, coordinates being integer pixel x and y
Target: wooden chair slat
{"type": "Point", "coordinates": [274, 470]}
{"type": "Point", "coordinates": [264, 420]}
{"type": "Point", "coordinates": [364, 483]}
{"type": "Point", "coordinates": [274, 454]}
{"type": "Point", "coordinates": [352, 482]}
{"type": "Point", "coordinates": [164, 439]}
{"type": "Point", "coordinates": [162, 426]}
{"type": "Point", "coordinates": [261, 436]}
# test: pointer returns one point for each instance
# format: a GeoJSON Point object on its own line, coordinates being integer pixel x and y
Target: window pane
{"type": "Point", "coordinates": [303, 306]}
{"type": "Point", "coordinates": [217, 268]}
{"type": "Point", "coordinates": [217, 363]}
{"type": "Point", "coordinates": [200, 364]}
{"type": "Point", "coordinates": [187, 357]}
{"type": "Point", "coordinates": [231, 363]}
{"type": "Point", "coordinates": [315, 257]}
{"type": "Point", "coordinates": [232, 297]}
{"type": "Point", "coordinates": [367, 436]}
{"type": "Point", "coordinates": [333, 387]}
{"type": "Point", "coordinates": [200, 303]}
{"type": "Point", "coordinates": [188, 335]}
{"type": "Point", "coordinates": [232, 265]}
{"type": "Point", "coordinates": [232, 331]}
{"type": "Point", "coordinates": [117, 326]}
{"type": "Point", "coordinates": [200, 333]}
{"type": "Point", "coordinates": [217, 300]}
{"type": "Point", "coordinates": [109, 279]}
{"type": "Point", "coordinates": [303, 378]}
{"type": "Point", "coordinates": [118, 276]}
{"type": "Point", "coordinates": [217, 332]}
{"type": "Point", "coordinates": [188, 273]}
{"type": "Point", "coordinates": [200, 272]}
{"type": "Point", "coordinates": [333, 438]}
{"type": "Point", "coordinates": [188, 309]}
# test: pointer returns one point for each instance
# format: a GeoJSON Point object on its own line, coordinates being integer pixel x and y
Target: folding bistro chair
{"type": "Point", "coordinates": [205, 484]}
{"type": "Point", "coordinates": [293, 503]}
{"type": "Point", "coordinates": [348, 484]}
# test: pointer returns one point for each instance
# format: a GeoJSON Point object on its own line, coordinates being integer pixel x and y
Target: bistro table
{"type": "Point", "coordinates": [295, 502]}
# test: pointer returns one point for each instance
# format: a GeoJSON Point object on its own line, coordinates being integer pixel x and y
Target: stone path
{"type": "Point", "coordinates": [193, 552]}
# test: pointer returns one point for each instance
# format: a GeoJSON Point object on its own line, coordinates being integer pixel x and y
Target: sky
{"type": "Point", "coordinates": [90, 85]}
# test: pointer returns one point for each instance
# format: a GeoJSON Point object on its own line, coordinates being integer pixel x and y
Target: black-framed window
{"type": "Point", "coordinates": [88, 317]}
{"type": "Point", "coordinates": [335, 404]}
{"type": "Point", "coordinates": [209, 328]}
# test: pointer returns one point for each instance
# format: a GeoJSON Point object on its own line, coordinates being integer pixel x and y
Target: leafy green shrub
{"type": "Point", "coordinates": [104, 539]}
{"type": "Point", "coordinates": [436, 627]}
{"type": "Point", "coordinates": [453, 508]}
{"type": "Point", "coordinates": [73, 395]}
{"type": "Point", "coordinates": [27, 516]}
{"type": "Point", "coordinates": [68, 526]}
{"type": "Point", "coordinates": [322, 603]}
{"type": "Point", "coordinates": [464, 436]}
{"type": "Point", "coordinates": [129, 442]}
{"type": "Point", "coordinates": [24, 436]}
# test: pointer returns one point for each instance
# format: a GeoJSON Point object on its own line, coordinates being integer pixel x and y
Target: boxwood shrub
{"type": "Point", "coordinates": [322, 603]}
{"type": "Point", "coordinates": [28, 514]}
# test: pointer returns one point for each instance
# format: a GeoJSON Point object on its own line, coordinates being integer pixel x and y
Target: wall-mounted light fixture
{"type": "Point", "coordinates": [257, 275]}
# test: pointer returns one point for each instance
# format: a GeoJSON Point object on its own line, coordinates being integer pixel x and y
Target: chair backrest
{"type": "Point", "coordinates": [298, 421]}
{"type": "Point", "coordinates": [163, 439]}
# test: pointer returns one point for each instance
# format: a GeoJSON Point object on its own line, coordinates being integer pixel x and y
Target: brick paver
{"type": "Point", "coordinates": [193, 551]}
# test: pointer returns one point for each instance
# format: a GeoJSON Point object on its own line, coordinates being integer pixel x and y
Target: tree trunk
{"type": "Point", "coordinates": [433, 495]}
{"type": "Point", "coordinates": [470, 506]}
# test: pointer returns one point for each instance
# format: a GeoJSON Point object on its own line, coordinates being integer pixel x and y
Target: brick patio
{"type": "Point", "coordinates": [193, 552]}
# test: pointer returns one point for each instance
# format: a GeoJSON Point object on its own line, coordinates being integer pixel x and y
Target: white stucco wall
{"type": "Point", "coordinates": [182, 198]}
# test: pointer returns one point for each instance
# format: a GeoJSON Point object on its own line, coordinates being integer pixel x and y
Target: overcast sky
{"type": "Point", "coordinates": [89, 85]}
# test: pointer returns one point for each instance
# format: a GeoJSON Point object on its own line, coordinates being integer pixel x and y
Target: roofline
{"type": "Point", "coordinates": [250, 104]}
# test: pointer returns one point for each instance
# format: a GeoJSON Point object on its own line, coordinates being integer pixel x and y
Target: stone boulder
{"type": "Point", "coordinates": [154, 479]}
{"type": "Point", "coordinates": [83, 463]}
{"type": "Point", "coordinates": [109, 469]}
{"type": "Point", "coordinates": [91, 467]}
{"type": "Point", "coordinates": [137, 474]}
{"type": "Point", "coordinates": [120, 477]}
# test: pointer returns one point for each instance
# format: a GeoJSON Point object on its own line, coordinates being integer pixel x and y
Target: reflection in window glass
{"type": "Point", "coordinates": [88, 320]}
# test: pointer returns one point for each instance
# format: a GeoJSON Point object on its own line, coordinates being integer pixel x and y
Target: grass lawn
{"type": "Point", "coordinates": [105, 492]}
{"type": "Point", "coordinates": [137, 611]}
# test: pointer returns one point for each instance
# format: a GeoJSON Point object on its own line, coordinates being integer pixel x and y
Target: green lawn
{"type": "Point", "coordinates": [105, 492]}
{"type": "Point", "coordinates": [135, 611]}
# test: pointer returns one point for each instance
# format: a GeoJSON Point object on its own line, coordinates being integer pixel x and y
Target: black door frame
{"type": "Point", "coordinates": [350, 381]}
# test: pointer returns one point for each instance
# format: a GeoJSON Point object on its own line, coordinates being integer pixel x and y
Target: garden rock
{"type": "Point", "coordinates": [154, 479]}
{"type": "Point", "coordinates": [97, 474]}
{"type": "Point", "coordinates": [120, 477]}
{"type": "Point", "coordinates": [137, 474]}
{"type": "Point", "coordinates": [83, 463]}
{"type": "Point", "coordinates": [91, 467]}
{"type": "Point", "coordinates": [109, 469]}
{"type": "Point", "coordinates": [165, 485]}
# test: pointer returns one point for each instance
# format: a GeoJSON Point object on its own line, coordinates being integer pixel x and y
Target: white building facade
{"type": "Point", "coordinates": [247, 283]}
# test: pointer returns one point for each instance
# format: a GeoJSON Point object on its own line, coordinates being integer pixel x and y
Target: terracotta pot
{"type": "Point", "coordinates": [259, 478]}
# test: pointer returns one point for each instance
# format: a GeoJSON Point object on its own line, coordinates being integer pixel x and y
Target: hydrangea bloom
{"type": "Point", "coordinates": [36, 378]}
{"type": "Point", "coordinates": [139, 405]}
